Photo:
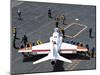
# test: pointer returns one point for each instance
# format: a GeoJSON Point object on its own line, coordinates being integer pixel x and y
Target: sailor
{"type": "Point", "coordinates": [93, 52]}
{"type": "Point", "coordinates": [81, 44]}
{"type": "Point", "coordinates": [33, 43]}
{"type": "Point", "coordinates": [56, 22]}
{"type": "Point", "coordinates": [63, 19]}
{"type": "Point", "coordinates": [13, 41]}
{"type": "Point", "coordinates": [74, 43]}
{"type": "Point", "coordinates": [63, 32]}
{"type": "Point", "coordinates": [14, 32]}
{"type": "Point", "coordinates": [19, 14]}
{"type": "Point", "coordinates": [39, 42]}
{"type": "Point", "coordinates": [90, 32]}
{"type": "Point", "coordinates": [71, 42]}
{"type": "Point", "coordinates": [88, 52]}
{"type": "Point", "coordinates": [24, 40]}
{"type": "Point", "coordinates": [67, 41]}
{"type": "Point", "coordinates": [49, 13]}
{"type": "Point", "coordinates": [77, 43]}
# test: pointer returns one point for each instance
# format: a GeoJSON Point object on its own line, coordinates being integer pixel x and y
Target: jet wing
{"type": "Point", "coordinates": [69, 48]}
{"type": "Point", "coordinates": [39, 49]}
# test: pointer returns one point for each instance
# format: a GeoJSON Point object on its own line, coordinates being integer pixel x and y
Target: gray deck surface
{"type": "Point", "coordinates": [37, 26]}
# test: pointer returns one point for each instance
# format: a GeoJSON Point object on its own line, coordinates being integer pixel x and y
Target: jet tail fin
{"type": "Point", "coordinates": [42, 60]}
{"type": "Point", "coordinates": [64, 59]}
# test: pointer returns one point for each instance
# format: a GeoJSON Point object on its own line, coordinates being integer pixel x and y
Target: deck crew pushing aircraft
{"type": "Point", "coordinates": [53, 49]}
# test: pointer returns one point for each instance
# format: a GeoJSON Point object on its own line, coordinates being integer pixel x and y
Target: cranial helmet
{"type": "Point", "coordinates": [56, 30]}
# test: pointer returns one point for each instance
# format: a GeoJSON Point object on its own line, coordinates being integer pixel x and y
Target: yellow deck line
{"type": "Point", "coordinates": [73, 65]}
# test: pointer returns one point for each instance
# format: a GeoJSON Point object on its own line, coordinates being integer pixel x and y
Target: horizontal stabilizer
{"type": "Point", "coordinates": [64, 59]}
{"type": "Point", "coordinates": [42, 60]}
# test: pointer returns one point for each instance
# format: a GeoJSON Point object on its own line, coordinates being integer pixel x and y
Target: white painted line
{"type": "Point", "coordinates": [69, 36]}
{"type": "Point", "coordinates": [80, 24]}
{"type": "Point", "coordinates": [68, 26]}
{"type": "Point", "coordinates": [36, 17]}
{"type": "Point", "coordinates": [78, 32]}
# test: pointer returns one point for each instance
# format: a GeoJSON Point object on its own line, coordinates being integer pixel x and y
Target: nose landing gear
{"type": "Point", "coordinates": [53, 62]}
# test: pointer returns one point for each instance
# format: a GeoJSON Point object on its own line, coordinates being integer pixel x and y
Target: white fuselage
{"type": "Point", "coordinates": [56, 42]}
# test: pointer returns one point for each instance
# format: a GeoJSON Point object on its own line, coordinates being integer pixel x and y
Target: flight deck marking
{"type": "Point", "coordinates": [80, 31]}
{"type": "Point", "coordinates": [39, 66]}
{"type": "Point", "coordinates": [76, 33]}
{"type": "Point", "coordinates": [74, 64]}
{"type": "Point", "coordinates": [69, 25]}
{"type": "Point", "coordinates": [36, 17]}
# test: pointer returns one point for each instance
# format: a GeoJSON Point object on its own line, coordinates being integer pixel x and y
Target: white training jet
{"type": "Point", "coordinates": [53, 49]}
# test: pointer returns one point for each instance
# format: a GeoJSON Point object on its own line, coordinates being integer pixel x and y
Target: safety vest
{"type": "Point", "coordinates": [14, 30]}
{"type": "Point", "coordinates": [39, 42]}
{"type": "Point", "coordinates": [62, 17]}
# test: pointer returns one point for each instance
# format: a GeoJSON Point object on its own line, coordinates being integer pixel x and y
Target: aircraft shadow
{"type": "Point", "coordinates": [58, 66]}
{"type": "Point", "coordinates": [68, 56]}
{"type": "Point", "coordinates": [33, 58]}
{"type": "Point", "coordinates": [75, 56]}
